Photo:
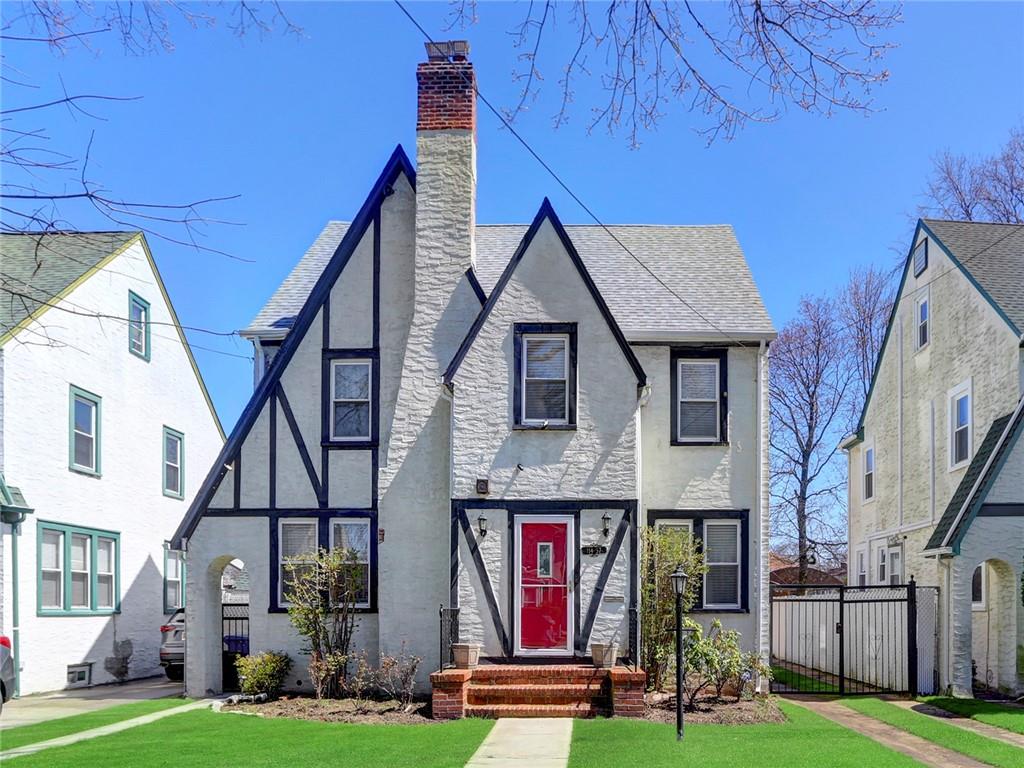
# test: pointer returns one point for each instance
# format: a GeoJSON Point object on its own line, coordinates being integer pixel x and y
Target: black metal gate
{"type": "Point", "coordinates": [844, 640]}
{"type": "Point", "coordinates": [234, 641]}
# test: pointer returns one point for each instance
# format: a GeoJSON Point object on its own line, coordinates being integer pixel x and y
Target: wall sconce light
{"type": "Point", "coordinates": [606, 520]}
{"type": "Point", "coordinates": [481, 525]}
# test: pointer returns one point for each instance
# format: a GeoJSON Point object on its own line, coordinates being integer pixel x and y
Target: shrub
{"type": "Point", "coordinates": [396, 675]}
{"type": "Point", "coordinates": [263, 673]}
{"type": "Point", "coordinates": [726, 658]}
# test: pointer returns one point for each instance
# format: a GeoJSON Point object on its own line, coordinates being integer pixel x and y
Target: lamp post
{"type": "Point", "coordinates": [679, 587]}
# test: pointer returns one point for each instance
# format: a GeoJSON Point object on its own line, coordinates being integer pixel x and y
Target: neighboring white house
{"type": "Point", "coordinates": [936, 467]}
{"type": "Point", "coordinates": [106, 433]}
{"type": "Point", "coordinates": [490, 415]}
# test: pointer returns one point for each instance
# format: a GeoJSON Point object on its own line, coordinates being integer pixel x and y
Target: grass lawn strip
{"type": "Point", "coordinates": [806, 741]}
{"type": "Point", "coordinates": [801, 683]}
{"type": "Point", "coordinates": [988, 712]}
{"type": "Point", "coordinates": [63, 726]}
{"type": "Point", "coordinates": [934, 730]}
{"type": "Point", "coordinates": [205, 739]}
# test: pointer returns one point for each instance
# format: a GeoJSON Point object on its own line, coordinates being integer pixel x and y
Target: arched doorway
{"type": "Point", "coordinates": [234, 607]}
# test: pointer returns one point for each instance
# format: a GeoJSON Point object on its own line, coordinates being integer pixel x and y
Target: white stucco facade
{"type": "Point", "coordinates": [972, 350]}
{"type": "Point", "coordinates": [88, 347]}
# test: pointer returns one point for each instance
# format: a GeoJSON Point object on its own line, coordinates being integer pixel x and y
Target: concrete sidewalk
{"type": "Point", "coordinates": [982, 729]}
{"type": "Point", "coordinates": [42, 707]}
{"type": "Point", "coordinates": [540, 742]}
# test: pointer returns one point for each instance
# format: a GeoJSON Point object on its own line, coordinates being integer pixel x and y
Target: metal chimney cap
{"type": "Point", "coordinates": [449, 50]}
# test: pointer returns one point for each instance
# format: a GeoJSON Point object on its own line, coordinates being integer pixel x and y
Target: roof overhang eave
{"type": "Point", "coordinates": [690, 337]}
{"type": "Point", "coordinates": [264, 334]}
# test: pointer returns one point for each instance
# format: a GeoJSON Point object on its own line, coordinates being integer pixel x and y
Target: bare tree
{"type": "Point", "coordinates": [979, 189]}
{"type": "Point", "coordinates": [809, 386]}
{"type": "Point", "coordinates": [744, 61]}
{"type": "Point", "coordinates": [864, 305]}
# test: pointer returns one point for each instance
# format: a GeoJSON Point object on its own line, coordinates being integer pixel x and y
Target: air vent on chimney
{"type": "Point", "coordinates": [449, 50]}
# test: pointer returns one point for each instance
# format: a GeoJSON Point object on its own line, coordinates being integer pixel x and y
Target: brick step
{"type": "Point", "coordinates": [533, 710]}
{"type": "Point", "coordinates": [535, 694]}
{"type": "Point", "coordinates": [554, 675]}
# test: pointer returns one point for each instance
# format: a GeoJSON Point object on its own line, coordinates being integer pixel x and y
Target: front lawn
{"type": "Point", "coordinates": [944, 734]}
{"type": "Point", "coordinates": [205, 739]}
{"type": "Point", "coordinates": [989, 712]}
{"type": "Point", "coordinates": [806, 741]}
{"type": "Point", "coordinates": [62, 726]}
{"type": "Point", "coordinates": [801, 683]}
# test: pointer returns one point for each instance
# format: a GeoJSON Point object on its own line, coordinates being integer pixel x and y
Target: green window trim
{"type": "Point", "coordinates": [180, 436]}
{"type": "Point", "coordinates": [182, 571]}
{"type": "Point", "coordinates": [77, 393]}
{"type": "Point", "coordinates": [94, 534]}
{"type": "Point", "coordinates": [134, 300]}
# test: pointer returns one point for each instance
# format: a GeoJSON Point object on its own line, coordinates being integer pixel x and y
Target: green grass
{"type": "Point", "coordinates": [944, 734]}
{"type": "Point", "coordinates": [988, 712]}
{"type": "Point", "coordinates": [806, 741]}
{"type": "Point", "coordinates": [799, 682]}
{"type": "Point", "coordinates": [62, 726]}
{"type": "Point", "coordinates": [205, 739]}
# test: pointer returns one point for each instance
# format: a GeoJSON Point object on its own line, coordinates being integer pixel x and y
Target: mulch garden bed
{"type": "Point", "coordinates": [661, 708]}
{"type": "Point", "coordinates": [339, 710]}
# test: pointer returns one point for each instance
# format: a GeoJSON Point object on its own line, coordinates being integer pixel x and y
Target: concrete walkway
{"type": "Point", "coordinates": [105, 730]}
{"type": "Point", "coordinates": [42, 707]}
{"type": "Point", "coordinates": [541, 742]}
{"type": "Point", "coordinates": [982, 729]}
{"type": "Point", "coordinates": [919, 749]}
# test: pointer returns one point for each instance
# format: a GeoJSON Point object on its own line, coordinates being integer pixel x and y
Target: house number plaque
{"type": "Point", "coordinates": [594, 549]}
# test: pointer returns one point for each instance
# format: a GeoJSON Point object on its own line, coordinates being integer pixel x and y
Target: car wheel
{"type": "Point", "coordinates": [177, 674]}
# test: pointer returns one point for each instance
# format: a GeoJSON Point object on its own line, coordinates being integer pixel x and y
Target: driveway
{"type": "Point", "coordinates": [41, 707]}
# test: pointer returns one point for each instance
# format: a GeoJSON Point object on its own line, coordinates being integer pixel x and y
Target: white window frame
{"type": "Point", "coordinates": [174, 556]}
{"type": "Point", "coordinates": [86, 571]}
{"type": "Point", "coordinates": [59, 570]}
{"type": "Point", "coordinates": [956, 393]}
{"type": "Point", "coordinates": [738, 564]}
{"type": "Point", "coordinates": [698, 361]}
{"type": "Point", "coordinates": [861, 564]}
{"type": "Point", "coordinates": [923, 299]}
{"type": "Point", "coordinates": [983, 605]}
{"type": "Point", "coordinates": [178, 492]}
{"type": "Point", "coordinates": [869, 448]}
{"type": "Point", "coordinates": [669, 522]}
{"type": "Point", "coordinates": [138, 327]}
{"type": "Point", "coordinates": [365, 363]}
{"type": "Point", "coordinates": [882, 566]}
{"type": "Point", "coordinates": [526, 339]}
{"type": "Point", "coordinates": [280, 550]}
{"type": "Point", "coordinates": [369, 552]}
{"type": "Point", "coordinates": [94, 424]}
{"type": "Point", "coordinates": [892, 571]}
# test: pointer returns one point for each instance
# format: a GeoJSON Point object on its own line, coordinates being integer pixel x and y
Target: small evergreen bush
{"type": "Point", "coordinates": [263, 673]}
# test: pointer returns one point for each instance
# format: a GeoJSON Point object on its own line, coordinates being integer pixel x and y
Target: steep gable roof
{"type": "Point", "coordinates": [546, 213]}
{"type": "Point", "coordinates": [975, 484]}
{"type": "Point", "coordinates": [40, 268]}
{"type": "Point", "coordinates": [992, 257]}
{"type": "Point", "coordinates": [396, 165]}
{"type": "Point", "coordinates": [702, 264]}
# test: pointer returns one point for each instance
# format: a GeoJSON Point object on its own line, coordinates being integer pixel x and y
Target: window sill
{"type": "Point", "coordinates": [144, 358]}
{"type": "Point", "coordinates": [961, 465]}
{"type": "Point", "coordinates": [348, 444]}
{"type": "Point", "coordinates": [718, 610]}
{"type": "Point", "coordinates": [698, 443]}
{"type": "Point", "coordinates": [284, 609]}
{"type": "Point", "coordinates": [85, 471]}
{"type": "Point", "coordinates": [545, 428]}
{"type": "Point", "coordinates": [178, 496]}
{"type": "Point", "coordinates": [57, 612]}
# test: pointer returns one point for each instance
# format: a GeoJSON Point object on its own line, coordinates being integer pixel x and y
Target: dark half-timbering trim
{"type": "Point", "coordinates": [307, 462]}
{"type": "Point", "coordinates": [698, 516]}
{"type": "Point", "coordinates": [583, 638]}
{"type": "Point", "coordinates": [1004, 509]}
{"type": "Point", "coordinates": [397, 165]}
{"type": "Point", "coordinates": [526, 329]}
{"type": "Point", "coordinates": [272, 459]}
{"type": "Point", "coordinates": [699, 353]}
{"type": "Point", "coordinates": [485, 581]}
{"type": "Point", "coordinates": [546, 212]}
{"type": "Point", "coordinates": [474, 283]}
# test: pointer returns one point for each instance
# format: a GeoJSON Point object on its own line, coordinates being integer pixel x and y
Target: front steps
{"type": "Point", "coordinates": [524, 690]}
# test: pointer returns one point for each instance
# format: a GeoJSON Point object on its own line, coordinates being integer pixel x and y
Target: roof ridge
{"type": "Point", "coordinates": [969, 221]}
{"type": "Point", "coordinates": [38, 232]}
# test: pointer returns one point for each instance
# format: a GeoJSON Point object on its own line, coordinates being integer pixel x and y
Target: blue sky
{"type": "Point", "coordinates": [301, 127]}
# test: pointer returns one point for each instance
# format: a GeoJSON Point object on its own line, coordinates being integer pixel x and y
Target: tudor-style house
{"type": "Point", "coordinates": [936, 466]}
{"type": "Point", "coordinates": [490, 415]}
{"type": "Point", "coordinates": [106, 433]}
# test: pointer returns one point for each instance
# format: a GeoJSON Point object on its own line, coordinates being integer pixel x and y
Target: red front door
{"type": "Point", "coordinates": [544, 573]}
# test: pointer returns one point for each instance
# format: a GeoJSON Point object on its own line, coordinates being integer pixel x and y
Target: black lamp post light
{"type": "Point", "coordinates": [678, 578]}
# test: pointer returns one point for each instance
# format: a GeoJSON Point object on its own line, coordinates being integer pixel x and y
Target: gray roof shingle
{"type": "Point", "coordinates": [36, 267]}
{"type": "Point", "coordinates": [702, 264]}
{"type": "Point", "coordinates": [994, 255]}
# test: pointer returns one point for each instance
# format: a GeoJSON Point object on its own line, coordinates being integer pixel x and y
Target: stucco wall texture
{"type": "Point", "coordinates": [139, 398]}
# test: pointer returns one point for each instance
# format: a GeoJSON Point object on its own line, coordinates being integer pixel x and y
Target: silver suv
{"type": "Point", "coordinates": [172, 646]}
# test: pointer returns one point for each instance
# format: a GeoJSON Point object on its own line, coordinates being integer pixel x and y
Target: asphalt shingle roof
{"type": "Point", "coordinates": [702, 264]}
{"type": "Point", "coordinates": [994, 256]}
{"type": "Point", "coordinates": [36, 267]}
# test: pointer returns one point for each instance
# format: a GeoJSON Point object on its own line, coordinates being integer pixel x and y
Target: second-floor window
{"type": "Point", "coordinates": [174, 463]}
{"type": "Point", "coordinates": [544, 387]}
{"type": "Point", "coordinates": [350, 399]}
{"type": "Point", "coordinates": [921, 316]}
{"type": "Point", "coordinates": [698, 396]}
{"type": "Point", "coordinates": [85, 425]}
{"type": "Point", "coordinates": [138, 326]}
{"type": "Point", "coordinates": [869, 473]}
{"type": "Point", "coordinates": [960, 426]}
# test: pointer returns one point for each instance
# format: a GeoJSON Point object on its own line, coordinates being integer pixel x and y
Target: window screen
{"type": "Point", "coordinates": [722, 556]}
{"type": "Point", "coordinates": [354, 535]}
{"type": "Point", "coordinates": [351, 400]}
{"type": "Point", "coordinates": [698, 414]}
{"type": "Point", "coordinates": [297, 547]}
{"type": "Point", "coordinates": [546, 379]}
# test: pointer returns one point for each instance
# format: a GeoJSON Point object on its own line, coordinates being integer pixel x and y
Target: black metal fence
{"type": "Point", "coordinates": [449, 634]}
{"type": "Point", "coordinates": [844, 640]}
{"type": "Point", "coordinates": [234, 641]}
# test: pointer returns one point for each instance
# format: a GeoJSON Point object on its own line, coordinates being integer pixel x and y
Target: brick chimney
{"type": "Point", "coordinates": [445, 193]}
